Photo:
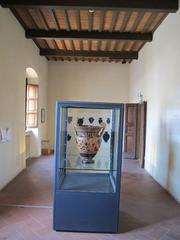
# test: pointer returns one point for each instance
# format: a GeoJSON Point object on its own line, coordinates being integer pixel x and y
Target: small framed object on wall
{"type": "Point", "coordinates": [42, 115]}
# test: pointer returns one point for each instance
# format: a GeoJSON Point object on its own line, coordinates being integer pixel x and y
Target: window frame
{"type": "Point", "coordinates": [27, 102]}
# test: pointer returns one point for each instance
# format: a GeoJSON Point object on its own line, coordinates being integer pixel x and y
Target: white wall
{"type": "Point", "coordinates": [16, 54]}
{"type": "Point", "coordinates": [157, 76]}
{"type": "Point", "coordinates": [106, 82]}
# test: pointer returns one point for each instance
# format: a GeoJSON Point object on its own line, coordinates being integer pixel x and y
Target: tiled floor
{"type": "Point", "coordinates": [34, 186]}
{"type": "Point", "coordinates": [147, 211]}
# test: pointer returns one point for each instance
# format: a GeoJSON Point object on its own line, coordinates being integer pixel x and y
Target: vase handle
{"type": "Point", "coordinates": [103, 126]}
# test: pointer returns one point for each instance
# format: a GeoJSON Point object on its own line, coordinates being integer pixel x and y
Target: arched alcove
{"type": "Point", "coordinates": [32, 76]}
{"type": "Point", "coordinates": [33, 133]}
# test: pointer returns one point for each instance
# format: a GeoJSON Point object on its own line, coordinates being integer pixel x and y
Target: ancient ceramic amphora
{"type": "Point", "coordinates": [88, 141]}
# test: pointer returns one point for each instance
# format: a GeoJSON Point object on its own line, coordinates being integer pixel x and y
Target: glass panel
{"type": "Point", "coordinates": [89, 140]}
{"type": "Point", "coordinates": [32, 91]}
{"type": "Point", "coordinates": [32, 105]}
{"type": "Point", "coordinates": [115, 144]}
{"type": "Point", "coordinates": [80, 148]}
{"type": "Point", "coordinates": [31, 120]}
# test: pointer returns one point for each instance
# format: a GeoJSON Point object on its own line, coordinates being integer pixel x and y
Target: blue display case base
{"type": "Point", "coordinates": [85, 212]}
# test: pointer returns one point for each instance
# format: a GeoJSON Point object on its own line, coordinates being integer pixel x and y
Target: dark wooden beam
{"type": "Point", "coordinates": [150, 5]}
{"type": "Point", "coordinates": [112, 55]}
{"type": "Point", "coordinates": [113, 21]}
{"type": "Point", "coordinates": [66, 20]}
{"type": "Point", "coordinates": [23, 24]}
{"type": "Point", "coordinates": [78, 21]}
{"type": "Point", "coordinates": [86, 35]}
{"type": "Point", "coordinates": [101, 22]}
{"type": "Point", "coordinates": [90, 20]}
{"type": "Point", "coordinates": [137, 21]}
{"type": "Point", "coordinates": [56, 19]}
{"type": "Point", "coordinates": [149, 21]}
{"type": "Point", "coordinates": [125, 20]}
{"type": "Point", "coordinates": [42, 19]}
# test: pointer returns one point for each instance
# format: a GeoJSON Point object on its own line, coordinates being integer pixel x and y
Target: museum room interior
{"type": "Point", "coordinates": [97, 53]}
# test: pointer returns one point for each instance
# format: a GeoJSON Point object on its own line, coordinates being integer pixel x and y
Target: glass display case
{"type": "Point", "coordinates": [88, 155]}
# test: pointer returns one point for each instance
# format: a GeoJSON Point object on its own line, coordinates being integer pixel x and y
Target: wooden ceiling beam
{"type": "Point", "coordinates": [86, 35]}
{"type": "Point", "coordinates": [150, 5]}
{"type": "Point", "coordinates": [108, 54]}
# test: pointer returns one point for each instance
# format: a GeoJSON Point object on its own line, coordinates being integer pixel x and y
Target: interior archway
{"type": "Point", "coordinates": [33, 141]}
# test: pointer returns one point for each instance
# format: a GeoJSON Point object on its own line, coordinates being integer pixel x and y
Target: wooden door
{"type": "Point", "coordinates": [130, 131]}
{"type": "Point", "coordinates": [141, 133]}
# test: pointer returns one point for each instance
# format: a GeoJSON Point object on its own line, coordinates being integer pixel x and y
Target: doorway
{"type": "Point", "coordinates": [135, 132]}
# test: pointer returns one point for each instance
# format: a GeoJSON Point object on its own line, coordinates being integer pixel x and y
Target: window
{"type": "Point", "coordinates": [31, 106]}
